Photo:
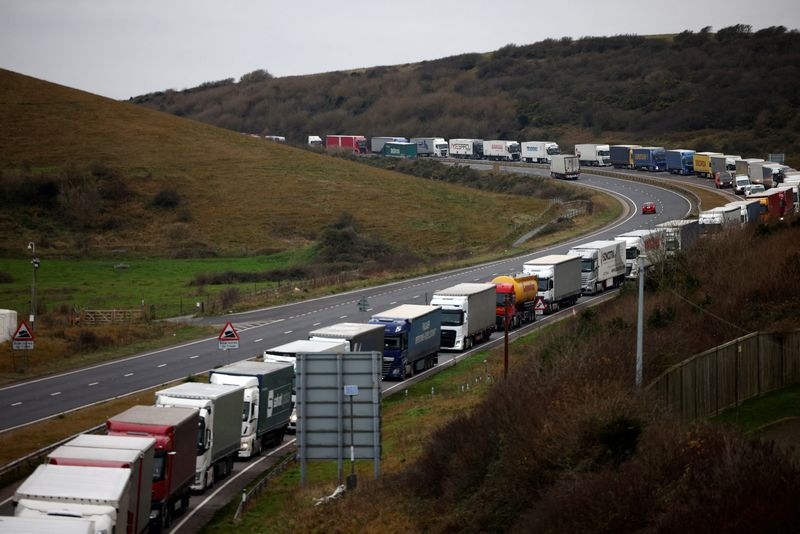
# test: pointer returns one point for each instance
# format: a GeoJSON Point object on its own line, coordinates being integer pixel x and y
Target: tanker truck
{"type": "Point", "coordinates": [516, 298]}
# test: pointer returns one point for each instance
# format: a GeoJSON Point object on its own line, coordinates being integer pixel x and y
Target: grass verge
{"type": "Point", "coordinates": [754, 413]}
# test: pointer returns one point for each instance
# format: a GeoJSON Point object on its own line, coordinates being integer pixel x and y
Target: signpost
{"type": "Point", "coordinates": [539, 306]}
{"type": "Point", "coordinates": [228, 338]}
{"type": "Point", "coordinates": [23, 338]}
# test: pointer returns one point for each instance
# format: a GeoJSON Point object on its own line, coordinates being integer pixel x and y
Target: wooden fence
{"type": "Point", "coordinates": [725, 376]}
{"type": "Point", "coordinates": [94, 317]}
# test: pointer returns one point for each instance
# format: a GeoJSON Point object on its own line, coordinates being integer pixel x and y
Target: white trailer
{"type": "Point", "coordinates": [500, 150]}
{"type": "Point", "coordinates": [97, 494]}
{"type": "Point", "coordinates": [679, 235]}
{"type": "Point", "coordinates": [465, 148]}
{"type": "Point", "coordinates": [431, 146]}
{"type": "Point", "coordinates": [220, 409]}
{"type": "Point", "coordinates": [468, 314]}
{"type": "Point", "coordinates": [357, 337]}
{"type": "Point", "coordinates": [645, 247]}
{"type": "Point", "coordinates": [45, 525]}
{"type": "Point", "coordinates": [721, 217]}
{"type": "Point", "coordinates": [593, 155]}
{"type": "Point", "coordinates": [136, 453]}
{"type": "Point", "coordinates": [539, 151]}
{"type": "Point", "coordinates": [376, 143]}
{"type": "Point", "coordinates": [602, 265]}
{"type": "Point", "coordinates": [559, 278]}
{"type": "Point", "coordinates": [8, 324]}
{"type": "Point", "coordinates": [565, 167]}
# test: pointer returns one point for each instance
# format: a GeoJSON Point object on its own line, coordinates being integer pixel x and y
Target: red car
{"type": "Point", "coordinates": [648, 207]}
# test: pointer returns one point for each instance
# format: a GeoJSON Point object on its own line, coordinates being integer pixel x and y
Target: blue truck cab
{"type": "Point", "coordinates": [650, 158]}
{"type": "Point", "coordinates": [412, 337]}
{"type": "Point", "coordinates": [680, 161]}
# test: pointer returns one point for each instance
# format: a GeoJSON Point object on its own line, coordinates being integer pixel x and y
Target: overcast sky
{"type": "Point", "coordinates": [124, 48]}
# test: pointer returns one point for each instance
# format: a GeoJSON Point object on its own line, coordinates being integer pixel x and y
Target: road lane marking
{"type": "Point", "coordinates": [316, 324]}
{"type": "Point", "coordinates": [193, 357]}
{"type": "Point", "coordinates": [288, 332]}
{"type": "Point", "coordinates": [259, 340]}
{"type": "Point", "coordinates": [395, 302]}
{"type": "Point", "coordinates": [342, 317]}
{"type": "Point", "coordinates": [93, 384]}
{"type": "Point", "coordinates": [16, 404]}
{"type": "Point", "coordinates": [56, 393]}
{"type": "Point", "coordinates": [128, 374]}
{"type": "Point", "coordinates": [163, 365]}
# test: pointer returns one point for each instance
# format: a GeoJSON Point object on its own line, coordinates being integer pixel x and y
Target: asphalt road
{"type": "Point", "coordinates": [42, 398]}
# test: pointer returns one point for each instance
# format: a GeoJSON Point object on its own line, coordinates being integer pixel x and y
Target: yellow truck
{"type": "Point", "coordinates": [702, 163]}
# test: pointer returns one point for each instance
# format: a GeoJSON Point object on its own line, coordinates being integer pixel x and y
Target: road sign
{"type": "Point", "coordinates": [539, 306]}
{"type": "Point", "coordinates": [23, 338]}
{"type": "Point", "coordinates": [228, 338]}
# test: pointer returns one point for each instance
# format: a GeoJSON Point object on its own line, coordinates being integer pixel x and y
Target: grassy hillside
{"type": "Point", "coordinates": [734, 91]}
{"type": "Point", "coordinates": [82, 174]}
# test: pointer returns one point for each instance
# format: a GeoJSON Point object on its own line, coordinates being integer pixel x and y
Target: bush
{"type": "Point", "coordinates": [167, 199]}
{"type": "Point", "coordinates": [5, 278]}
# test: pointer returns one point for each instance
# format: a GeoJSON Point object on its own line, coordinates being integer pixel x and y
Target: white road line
{"type": "Point", "coordinates": [288, 332]}
{"type": "Point", "coordinates": [193, 357]}
{"type": "Point", "coordinates": [56, 393]}
{"type": "Point", "coordinates": [93, 384]}
{"type": "Point", "coordinates": [342, 317]}
{"type": "Point", "coordinates": [415, 297]}
{"type": "Point", "coordinates": [316, 324]}
{"type": "Point", "coordinates": [16, 404]}
{"type": "Point", "coordinates": [128, 374]}
{"type": "Point", "coordinates": [258, 340]}
{"type": "Point", "coordinates": [395, 302]}
{"type": "Point", "coordinates": [163, 365]}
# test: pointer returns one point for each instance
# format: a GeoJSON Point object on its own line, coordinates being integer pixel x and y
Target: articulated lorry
{"type": "Point", "coordinates": [720, 218]}
{"type": "Point", "coordinates": [515, 300]}
{"type": "Point", "coordinates": [468, 314]}
{"type": "Point", "coordinates": [399, 150]}
{"type": "Point", "coordinates": [591, 155]}
{"type": "Point", "coordinates": [680, 161]}
{"type": "Point", "coordinates": [431, 147]}
{"type": "Point", "coordinates": [175, 433]}
{"type": "Point", "coordinates": [539, 151]}
{"type": "Point", "coordinates": [723, 169]}
{"type": "Point", "coordinates": [622, 156]}
{"type": "Point", "coordinates": [768, 174]}
{"type": "Point", "coordinates": [357, 337]}
{"type": "Point", "coordinates": [128, 452]}
{"type": "Point", "coordinates": [750, 210]}
{"type": "Point", "coordinates": [565, 167]}
{"type": "Point", "coordinates": [500, 150]}
{"type": "Point", "coordinates": [220, 426]}
{"type": "Point", "coordinates": [559, 277]}
{"type": "Point", "coordinates": [602, 265]}
{"type": "Point", "coordinates": [412, 337]}
{"type": "Point", "coordinates": [357, 144]}
{"type": "Point", "coordinates": [466, 148]}
{"type": "Point", "coordinates": [376, 143]}
{"type": "Point", "coordinates": [702, 163]}
{"type": "Point", "coordinates": [45, 525]}
{"type": "Point", "coordinates": [650, 158]}
{"type": "Point", "coordinates": [776, 203]}
{"type": "Point", "coordinates": [679, 235]}
{"type": "Point", "coordinates": [96, 494]}
{"type": "Point", "coordinates": [267, 401]}
{"type": "Point", "coordinates": [645, 247]}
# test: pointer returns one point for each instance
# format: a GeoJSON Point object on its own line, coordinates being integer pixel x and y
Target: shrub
{"type": "Point", "coordinates": [167, 199]}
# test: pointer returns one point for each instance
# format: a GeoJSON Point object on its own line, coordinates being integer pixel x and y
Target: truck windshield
{"type": "Point", "coordinates": [553, 150]}
{"type": "Point", "coordinates": [452, 317]}
{"type": "Point", "coordinates": [393, 342]}
{"type": "Point", "coordinates": [246, 411]}
{"type": "Point", "coordinates": [158, 465]}
{"type": "Point", "coordinates": [631, 253]}
{"type": "Point", "coordinates": [587, 265]}
{"type": "Point", "coordinates": [603, 152]}
{"type": "Point", "coordinates": [545, 284]}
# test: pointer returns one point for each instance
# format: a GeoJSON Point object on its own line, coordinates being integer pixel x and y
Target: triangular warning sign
{"type": "Point", "coordinates": [23, 333]}
{"type": "Point", "coordinates": [539, 304]}
{"type": "Point", "coordinates": [228, 333]}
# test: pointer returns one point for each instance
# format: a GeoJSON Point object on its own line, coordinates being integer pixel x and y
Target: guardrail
{"type": "Point", "coordinates": [256, 490]}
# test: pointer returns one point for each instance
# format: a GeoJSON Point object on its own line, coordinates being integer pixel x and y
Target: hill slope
{"type": "Point", "coordinates": [733, 91]}
{"type": "Point", "coordinates": [82, 173]}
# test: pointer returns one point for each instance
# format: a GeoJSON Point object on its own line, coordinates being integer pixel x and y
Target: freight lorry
{"type": "Point", "coordinates": [723, 169]}
{"type": "Point", "coordinates": [267, 403]}
{"type": "Point", "coordinates": [96, 494]}
{"type": "Point", "coordinates": [679, 235]}
{"type": "Point", "coordinates": [642, 248]}
{"type": "Point", "coordinates": [431, 147]}
{"type": "Point", "coordinates": [376, 144]}
{"type": "Point", "coordinates": [602, 265]}
{"type": "Point", "coordinates": [749, 210]}
{"type": "Point", "coordinates": [592, 155]}
{"type": "Point", "coordinates": [767, 174]}
{"type": "Point", "coordinates": [702, 163]}
{"type": "Point", "coordinates": [776, 203]}
{"type": "Point", "coordinates": [400, 150]}
{"type": "Point", "coordinates": [559, 278]}
{"type": "Point", "coordinates": [314, 140]}
{"type": "Point", "coordinates": [680, 161]}
{"type": "Point", "coordinates": [500, 150]}
{"type": "Point", "coordinates": [515, 300]}
{"type": "Point", "coordinates": [650, 158]}
{"type": "Point", "coordinates": [45, 525]}
{"type": "Point", "coordinates": [466, 148]}
{"type": "Point", "coordinates": [128, 452]}
{"type": "Point", "coordinates": [175, 431]}
{"type": "Point", "coordinates": [468, 314]}
{"type": "Point", "coordinates": [565, 167]}
{"type": "Point", "coordinates": [412, 337]}
{"type": "Point", "coordinates": [622, 156]}
{"type": "Point", "coordinates": [219, 430]}
{"type": "Point", "coordinates": [357, 144]}
{"type": "Point", "coordinates": [539, 151]}
{"type": "Point", "coordinates": [357, 337]}
{"type": "Point", "coordinates": [720, 218]}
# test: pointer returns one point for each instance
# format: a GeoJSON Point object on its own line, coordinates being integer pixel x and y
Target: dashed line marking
{"type": "Point", "coordinates": [193, 357]}
{"type": "Point", "coordinates": [16, 404]}
{"type": "Point", "coordinates": [258, 340]}
{"type": "Point", "coordinates": [415, 297]}
{"type": "Point", "coordinates": [56, 393]}
{"type": "Point", "coordinates": [93, 384]}
{"type": "Point", "coordinates": [316, 324]}
{"type": "Point", "coordinates": [163, 365]}
{"type": "Point", "coordinates": [288, 332]}
{"type": "Point", "coordinates": [395, 302]}
{"type": "Point", "coordinates": [342, 317]}
{"type": "Point", "coordinates": [128, 374]}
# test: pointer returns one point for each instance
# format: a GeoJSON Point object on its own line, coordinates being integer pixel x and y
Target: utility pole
{"type": "Point", "coordinates": [35, 266]}
{"type": "Point", "coordinates": [640, 327]}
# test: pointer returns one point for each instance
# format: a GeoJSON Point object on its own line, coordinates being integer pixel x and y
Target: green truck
{"type": "Point", "coordinates": [400, 150]}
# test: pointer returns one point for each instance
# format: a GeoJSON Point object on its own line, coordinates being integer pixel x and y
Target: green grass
{"type": "Point", "coordinates": [97, 284]}
{"type": "Point", "coordinates": [759, 411]}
